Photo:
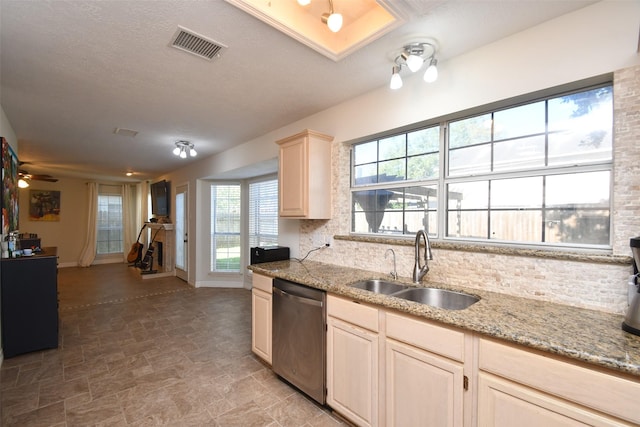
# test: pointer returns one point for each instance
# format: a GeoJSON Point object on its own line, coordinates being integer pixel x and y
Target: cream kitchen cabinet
{"type": "Point", "coordinates": [304, 176]}
{"type": "Point", "coordinates": [425, 380]}
{"type": "Point", "coordinates": [261, 315]}
{"type": "Point", "coordinates": [353, 360]}
{"type": "Point", "coordinates": [528, 388]}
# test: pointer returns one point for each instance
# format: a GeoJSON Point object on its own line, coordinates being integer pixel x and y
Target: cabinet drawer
{"type": "Point", "coordinates": [353, 312]}
{"type": "Point", "coordinates": [594, 389]}
{"type": "Point", "coordinates": [263, 283]}
{"type": "Point", "coordinates": [426, 335]}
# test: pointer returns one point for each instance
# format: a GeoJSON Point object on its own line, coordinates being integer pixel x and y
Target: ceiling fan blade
{"type": "Point", "coordinates": [24, 174]}
{"type": "Point", "coordinates": [48, 178]}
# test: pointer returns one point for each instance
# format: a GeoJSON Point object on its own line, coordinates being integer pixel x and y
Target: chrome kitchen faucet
{"type": "Point", "coordinates": [419, 271]}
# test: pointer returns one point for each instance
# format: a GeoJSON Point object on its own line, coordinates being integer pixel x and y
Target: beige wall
{"type": "Point", "coordinates": [6, 131]}
{"type": "Point", "coordinates": [69, 233]}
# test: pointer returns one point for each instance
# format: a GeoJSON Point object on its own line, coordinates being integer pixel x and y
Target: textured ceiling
{"type": "Point", "coordinates": [74, 71]}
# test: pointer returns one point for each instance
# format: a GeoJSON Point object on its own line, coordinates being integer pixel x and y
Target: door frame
{"type": "Point", "coordinates": [183, 273]}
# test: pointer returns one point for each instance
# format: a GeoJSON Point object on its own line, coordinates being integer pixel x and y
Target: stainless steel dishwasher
{"type": "Point", "coordinates": [299, 337]}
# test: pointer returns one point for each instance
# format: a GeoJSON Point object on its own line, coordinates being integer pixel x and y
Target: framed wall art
{"type": "Point", "coordinates": [44, 205]}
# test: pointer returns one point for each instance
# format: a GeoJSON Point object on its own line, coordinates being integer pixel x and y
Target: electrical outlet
{"type": "Point", "coordinates": [317, 239]}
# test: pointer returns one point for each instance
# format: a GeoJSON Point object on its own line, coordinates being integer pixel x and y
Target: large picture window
{"type": "Point", "coordinates": [534, 173]}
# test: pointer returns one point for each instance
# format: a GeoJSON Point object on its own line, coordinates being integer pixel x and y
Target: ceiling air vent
{"type": "Point", "coordinates": [196, 44]}
{"type": "Point", "coordinates": [125, 132]}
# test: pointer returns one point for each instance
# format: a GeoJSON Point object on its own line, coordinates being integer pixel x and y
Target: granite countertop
{"type": "Point", "coordinates": [590, 336]}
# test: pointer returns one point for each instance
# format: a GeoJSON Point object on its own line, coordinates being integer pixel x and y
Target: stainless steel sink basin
{"type": "Point", "coordinates": [440, 298]}
{"type": "Point", "coordinates": [378, 286]}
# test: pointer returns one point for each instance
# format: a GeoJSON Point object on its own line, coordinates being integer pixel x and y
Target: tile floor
{"type": "Point", "coordinates": [136, 352]}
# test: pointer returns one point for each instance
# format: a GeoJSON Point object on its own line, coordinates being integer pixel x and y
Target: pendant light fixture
{"type": "Point", "coordinates": [185, 149]}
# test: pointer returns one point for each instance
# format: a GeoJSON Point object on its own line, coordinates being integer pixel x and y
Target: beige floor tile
{"type": "Point", "coordinates": [59, 391]}
{"type": "Point", "coordinates": [139, 352]}
{"type": "Point", "coordinates": [46, 416]}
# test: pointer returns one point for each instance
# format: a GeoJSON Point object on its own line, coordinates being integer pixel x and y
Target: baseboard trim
{"type": "Point", "coordinates": [219, 284]}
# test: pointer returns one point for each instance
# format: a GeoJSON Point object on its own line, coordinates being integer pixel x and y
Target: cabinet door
{"type": "Point", "coordinates": [29, 289]}
{"type": "Point", "coordinates": [422, 389]}
{"type": "Point", "coordinates": [352, 372]}
{"type": "Point", "coordinates": [503, 403]}
{"type": "Point", "coordinates": [568, 381]}
{"type": "Point", "coordinates": [294, 179]}
{"type": "Point", "coordinates": [261, 324]}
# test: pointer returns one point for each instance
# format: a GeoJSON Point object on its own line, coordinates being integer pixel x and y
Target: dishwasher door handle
{"type": "Point", "coordinates": [301, 300]}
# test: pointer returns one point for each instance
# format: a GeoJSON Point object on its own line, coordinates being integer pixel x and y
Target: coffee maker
{"type": "Point", "coordinates": [631, 321]}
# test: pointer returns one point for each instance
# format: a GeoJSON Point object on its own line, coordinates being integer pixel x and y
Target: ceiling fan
{"type": "Point", "coordinates": [24, 177]}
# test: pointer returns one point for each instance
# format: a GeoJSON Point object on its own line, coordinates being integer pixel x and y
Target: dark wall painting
{"type": "Point", "coordinates": [44, 205]}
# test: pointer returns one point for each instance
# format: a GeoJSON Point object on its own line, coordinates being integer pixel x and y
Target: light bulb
{"type": "Point", "coordinates": [304, 2]}
{"type": "Point", "coordinates": [176, 151]}
{"type": "Point", "coordinates": [414, 62]}
{"type": "Point", "coordinates": [431, 75]}
{"type": "Point", "coordinates": [183, 154]}
{"type": "Point", "coordinates": [334, 22]}
{"type": "Point", "coordinates": [193, 152]}
{"type": "Point", "coordinates": [22, 183]}
{"type": "Point", "coordinates": [396, 80]}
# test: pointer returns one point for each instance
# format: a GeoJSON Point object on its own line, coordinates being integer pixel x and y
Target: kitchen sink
{"type": "Point", "coordinates": [378, 286]}
{"type": "Point", "coordinates": [440, 298]}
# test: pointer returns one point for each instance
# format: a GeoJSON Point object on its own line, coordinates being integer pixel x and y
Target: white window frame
{"type": "Point", "coordinates": [109, 191]}
{"type": "Point", "coordinates": [257, 235]}
{"type": "Point", "coordinates": [444, 179]}
{"type": "Point", "coordinates": [213, 253]}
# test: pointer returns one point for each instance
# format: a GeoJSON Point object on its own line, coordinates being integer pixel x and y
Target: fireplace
{"type": "Point", "coordinates": [164, 245]}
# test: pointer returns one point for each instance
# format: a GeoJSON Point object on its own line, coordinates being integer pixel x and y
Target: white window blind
{"type": "Point", "coordinates": [263, 213]}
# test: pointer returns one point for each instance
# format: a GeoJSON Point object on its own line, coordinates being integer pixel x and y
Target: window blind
{"type": "Point", "coordinates": [263, 213]}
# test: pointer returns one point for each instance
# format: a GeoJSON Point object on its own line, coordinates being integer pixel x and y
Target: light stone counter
{"type": "Point", "coordinates": [587, 335]}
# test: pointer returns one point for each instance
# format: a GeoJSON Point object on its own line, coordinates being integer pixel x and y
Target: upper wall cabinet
{"type": "Point", "coordinates": [304, 176]}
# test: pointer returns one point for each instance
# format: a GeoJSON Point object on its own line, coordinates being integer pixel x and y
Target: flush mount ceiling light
{"type": "Point", "coordinates": [332, 19]}
{"type": "Point", "coordinates": [413, 56]}
{"type": "Point", "coordinates": [184, 149]}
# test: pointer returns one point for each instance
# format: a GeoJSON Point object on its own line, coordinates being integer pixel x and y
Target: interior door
{"type": "Point", "coordinates": [182, 227]}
